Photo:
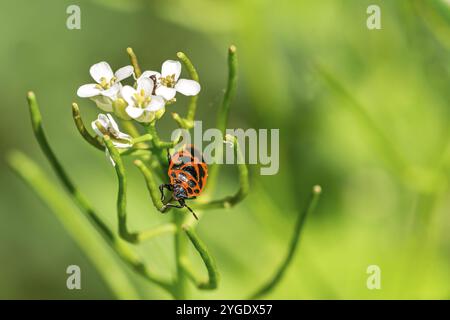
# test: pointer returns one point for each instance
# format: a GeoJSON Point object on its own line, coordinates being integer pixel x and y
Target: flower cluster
{"type": "Point", "coordinates": [144, 102]}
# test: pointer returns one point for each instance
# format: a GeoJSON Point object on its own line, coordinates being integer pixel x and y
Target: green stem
{"type": "Point", "coordinates": [208, 260]}
{"type": "Point", "coordinates": [181, 255]}
{"type": "Point", "coordinates": [79, 227]}
{"type": "Point", "coordinates": [145, 137]}
{"type": "Point", "coordinates": [157, 142]}
{"type": "Point", "coordinates": [124, 252]}
{"type": "Point", "coordinates": [192, 107]}
{"type": "Point", "coordinates": [159, 147]}
{"type": "Point", "coordinates": [136, 152]}
{"type": "Point", "coordinates": [276, 278]}
{"type": "Point", "coordinates": [167, 228]}
{"type": "Point", "coordinates": [130, 128]}
{"type": "Point", "coordinates": [133, 237]}
{"type": "Point", "coordinates": [36, 122]}
{"type": "Point", "coordinates": [121, 192]}
{"type": "Point", "coordinates": [222, 116]}
{"type": "Point", "coordinates": [152, 186]}
{"type": "Point", "coordinates": [244, 184]}
{"type": "Point", "coordinates": [134, 62]}
{"type": "Point", "coordinates": [92, 140]}
{"type": "Point", "coordinates": [224, 110]}
{"type": "Point", "coordinates": [182, 122]}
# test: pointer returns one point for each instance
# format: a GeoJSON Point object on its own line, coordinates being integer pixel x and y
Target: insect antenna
{"type": "Point", "coordinates": [192, 211]}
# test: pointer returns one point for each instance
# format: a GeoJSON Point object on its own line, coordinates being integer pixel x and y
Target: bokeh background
{"type": "Point", "coordinates": [364, 113]}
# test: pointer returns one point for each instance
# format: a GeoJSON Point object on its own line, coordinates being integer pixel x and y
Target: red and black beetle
{"type": "Point", "coordinates": [188, 173]}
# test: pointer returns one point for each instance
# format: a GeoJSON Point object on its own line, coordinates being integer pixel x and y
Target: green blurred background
{"type": "Point", "coordinates": [364, 113]}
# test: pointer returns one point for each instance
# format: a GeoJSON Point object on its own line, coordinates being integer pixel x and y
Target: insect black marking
{"type": "Point", "coordinates": [191, 183]}
{"type": "Point", "coordinates": [191, 170]}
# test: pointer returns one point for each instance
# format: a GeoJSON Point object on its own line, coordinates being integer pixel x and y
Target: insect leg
{"type": "Point", "coordinates": [168, 156]}
{"type": "Point", "coordinates": [180, 206]}
{"type": "Point", "coordinates": [170, 205]}
{"type": "Point", "coordinates": [161, 189]}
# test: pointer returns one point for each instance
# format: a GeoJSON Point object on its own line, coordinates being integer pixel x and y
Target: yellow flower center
{"type": "Point", "coordinates": [104, 84]}
{"type": "Point", "coordinates": [141, 99]}
{"type": "Point", "coordinates": [168, 81]}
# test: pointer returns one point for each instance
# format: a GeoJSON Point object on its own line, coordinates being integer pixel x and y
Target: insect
{"type": "Point", "coordinates": [188, 173]}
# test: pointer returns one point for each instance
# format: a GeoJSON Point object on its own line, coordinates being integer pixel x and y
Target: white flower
{"type": "Point", "coordinates": [168, 82]}
{"type": "Point", "coordinates": [106, 125]}
{"type": "Point", "coordinates": [108, 86]}
{"type": "Point", "coordinates": [142, 104]}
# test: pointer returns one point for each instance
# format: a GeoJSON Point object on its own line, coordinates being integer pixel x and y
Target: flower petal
{"type": "Point", "coordinates": [145, 84]}
{"type": "Point", "coordinates": [120, 144]}
{"type": "Point", "coordinates": [127, 94]}
{"type": "Point", "coordinates": [112, 124]}
{"type": "Point", "coordinates": [101, 70]}
{"type": "Point", "coordinates": [126, 137]}
{"type": "Point", "coordinates": [170, 67]}
{"type": "Point", "coordinates": [103, 119]}
{"type": "Point", "coordinates": [155, 104]}
{"type": "Point", "coordinates": [88, 90]}
{"type": "Point", "coordinates": [188, 87]}
{"type": "Point", "coordinates": [124, 72]}
{"type": "Point", "coordinates": [134, 112]}
{"type": "Point", "coordinates": [111, 92]}
{"type": "Point", "coordinates": [165, 92]}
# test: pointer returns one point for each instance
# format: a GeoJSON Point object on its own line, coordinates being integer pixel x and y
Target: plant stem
{"type": "Point", "coordinates": [78, 226]}
{"type": "Point", "coordinates": [159, 147]}
{"type": "Point", "coordinates": [134, 62]}
{"type": "Point", "coordinates": [136, 152]}
{"type": "Point", "coordinates": [121, 192]}
{"type": "Point", "coordinates": [182, 122]}
{"type": "Point", "coordinates": [82, 129]}
{"type": "Point", "coordinates": [192, 107]}
{"type": "Point", "coordinates": [145, 137]}
{"type": "Point", "coordinates": [167, 228]}
{"type": "Point", "coordinates": [208, 260]}
{"type": "Point", "coordinates": [157, 142]}
{"type": "Point", "coordinates": [181, 255]}
{"type": "Point", "coordinates": [133, 237]}
{"type": "Point", "coordinates": [267, 287]}
{"type": "Point", "coordinates": [151, 185]}
{"type": "Point", "coordinates": [123, 251]}
{"type": "Point", "coordinates": [222, 115]}
{"type": "Point", "coordinates": [224, 110]}
{"type": "Point", "coordinates": [130, 128]}
{"type": "Point", "coordinates": [244, 184]}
